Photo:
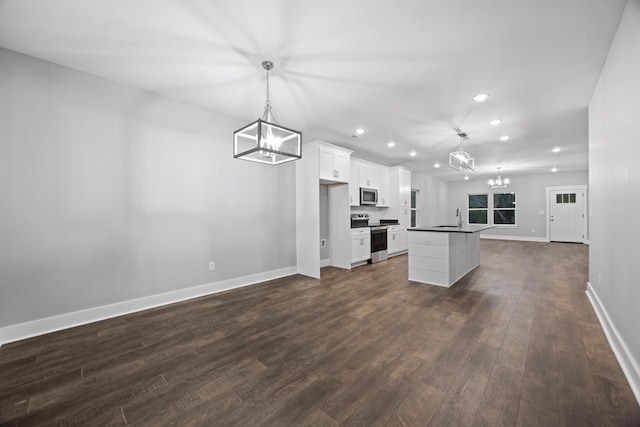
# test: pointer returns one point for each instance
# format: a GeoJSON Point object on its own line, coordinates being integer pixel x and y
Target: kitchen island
{"type": "Point", "coordinates": [442, 255]}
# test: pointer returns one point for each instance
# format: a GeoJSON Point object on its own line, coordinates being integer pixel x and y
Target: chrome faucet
{"type": "Point", "coordinates": [459, 215]}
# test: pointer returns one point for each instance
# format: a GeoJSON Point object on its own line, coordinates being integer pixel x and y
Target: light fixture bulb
{"type": "Point", "coordinates": [505, 138]}
{"type": "Point", "coordinates": [436, 165]}
{"type": "Point", "coordinates": [556, 149]}
{"type": "Point", "coordinates": [413, 154]}
{"type": "Point", "coordinates": [495, 122]}
{"type": "Point", "coordinates": [466, 178]}
{"type": "Point", "coordinates": [492, 182]}
{"type": "Point", "coordinates": [359, 131]}
{"type": "Point", "coordinates": [481, 97]}
{"type": "Point", "coordinates": [391, 144]}
{"type": "Point", "coordinates": [554, 169]}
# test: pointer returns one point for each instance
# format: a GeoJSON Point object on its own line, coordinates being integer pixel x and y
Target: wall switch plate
{"type": "Point", "coordinates": [212, 266]}
{"type": "Point", "coordinates": [323, 243]}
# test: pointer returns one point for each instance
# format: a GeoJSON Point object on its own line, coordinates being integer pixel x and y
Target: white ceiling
{"type": "Point", "coordinates": [404, 70]}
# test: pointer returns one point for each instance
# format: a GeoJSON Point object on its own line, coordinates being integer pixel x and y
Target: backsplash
{"type": "Point", "coordinates": [375, 214]}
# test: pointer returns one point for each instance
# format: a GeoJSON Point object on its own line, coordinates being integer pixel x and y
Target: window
{"type": "Point", "coordinates": [478, 208]}
{"type": "Point", "coordinates": [414, 208]}
{"type": "Point", "coordinates": [500, 209]}
{"type": "Point", "coordinates": [504, 208]}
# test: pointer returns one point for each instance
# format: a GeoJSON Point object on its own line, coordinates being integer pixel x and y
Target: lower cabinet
{"type": "Point", "coordinates": [396, 239]}
{"type": "Point", "coordinates": [360, 244]}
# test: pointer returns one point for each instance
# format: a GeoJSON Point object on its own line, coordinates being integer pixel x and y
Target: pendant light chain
{"type": "Point", "coordinates": [267, 104]}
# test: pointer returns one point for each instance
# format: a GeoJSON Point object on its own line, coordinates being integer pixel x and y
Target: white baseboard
{"type": "Point", "coordinates": [628, 364]}
{"type": "Point", "coordinates": [520, 238]}
{"type": "Point", "coordinates": [325, 263]}
{"type": "Point", "coordinates": [37, 327]}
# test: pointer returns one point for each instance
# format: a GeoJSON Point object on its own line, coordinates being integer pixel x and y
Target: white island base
{"type": "Point", "coordinates": [443, 257]}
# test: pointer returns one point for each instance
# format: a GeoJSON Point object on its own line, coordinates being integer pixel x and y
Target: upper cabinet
{"type": "Point", "coordinates": [404, 180]}
{"type": "Point", "coordinates": [399, 192]}
{"type": "Point", "coordinates": [368, 176]}
{"type": "Point", "coordinates": [333, 164]}
{"type": "Point", "coordinates": [354, 183]}
{"type": "Point", "coordinates": [383, 187]}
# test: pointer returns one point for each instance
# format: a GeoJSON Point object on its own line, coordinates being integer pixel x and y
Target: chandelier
{"type": "Point", "coordinates": [499, 182]}
{"type": "Point", "coordinates": [264, 140]}
{"type": "Point", "coordinates": [460, 159]}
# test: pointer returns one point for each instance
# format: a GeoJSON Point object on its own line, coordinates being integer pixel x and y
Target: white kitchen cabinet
{"type": "Point", "coordinates": [321, 155]}
{"type": "Point", "coordinates": [399, 193]}
{"type": "Point", "coordinates": [393, 239]}
{"type": "Point", "coordinates": [383, 187]}
{"type": "Point", "coordinates": [333, 165]}
{"type": "Point", "coordinates": [360, 244]}
{"type": "Point", "coordinates": [404, 183]}
{"type": "Point", "coordinates": [354, 183]}
{"type": "Point", "coordinates": [368, 176]}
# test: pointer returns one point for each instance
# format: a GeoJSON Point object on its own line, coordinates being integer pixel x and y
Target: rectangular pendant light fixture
{"type": "Point", "coordinates": [460, 159]}
{"type": "Point", "coordinates": [265, 141]}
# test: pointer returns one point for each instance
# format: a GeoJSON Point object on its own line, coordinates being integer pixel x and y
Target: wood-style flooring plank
{"type": "Point", "coordinates": [515, 342]}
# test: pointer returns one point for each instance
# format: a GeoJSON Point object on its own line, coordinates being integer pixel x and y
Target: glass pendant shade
{"type": "Point", "coordinates": [264, 140]}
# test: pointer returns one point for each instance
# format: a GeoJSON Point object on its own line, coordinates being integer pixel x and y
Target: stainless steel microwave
{"type": "Point", "coordinates": [368, 196]}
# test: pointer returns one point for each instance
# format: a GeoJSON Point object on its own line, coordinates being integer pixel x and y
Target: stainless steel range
{"type": "Point", "coordinates": [378, 243]}
{"type": "Point", "coordinates": [378, 236]}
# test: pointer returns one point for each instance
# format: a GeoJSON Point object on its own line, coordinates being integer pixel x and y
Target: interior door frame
{"type": "Point", "coordinates": [585, 204]}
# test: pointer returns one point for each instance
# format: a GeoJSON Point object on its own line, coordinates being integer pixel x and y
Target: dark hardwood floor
{"type": "Point", "coordinates": [515, 343]}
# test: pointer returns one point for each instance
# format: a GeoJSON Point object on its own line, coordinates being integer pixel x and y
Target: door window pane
{"type": "Point", "coordinates": [413, 199]}
{"type": "Point", "coordinates": [413, 218]}
{"type": "Point", "coordinates": [504, 216]}
{"type": "Point", "coordinates": [558, 198]}
{"type": "Point", "coordinates": [572, 198]}
{"type": "Point", "coordinates": [565, 198]}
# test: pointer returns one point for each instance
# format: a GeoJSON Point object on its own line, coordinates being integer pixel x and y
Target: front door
{"type": "Point", "coordinates": [566, 215]}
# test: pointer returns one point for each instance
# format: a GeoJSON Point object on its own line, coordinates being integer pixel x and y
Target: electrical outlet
{"type": "Point", "coordinates": [323, 243]}
{"type": "Point", "coordinates": [212, 266]}
{"type": "Point", "coordinates": [599, 279]}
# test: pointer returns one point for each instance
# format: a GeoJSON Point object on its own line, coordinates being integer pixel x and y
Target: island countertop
{"type": "Point", "coordinates": [466, 228]}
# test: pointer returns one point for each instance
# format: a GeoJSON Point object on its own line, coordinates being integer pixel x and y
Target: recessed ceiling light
{"type": "Point", "coordinates": [481, 97]}
{"type": "Point", "coordinates": [359, 131]}
{"type": "Point", "coordinates": [436, 165]}
{"type": "Point", "coordinates": [495, 122]}
{"type": "Point", "coordinates": [554, 169]}
{"type": "Point", "coordinates": [466, 177]}
{"type": "Point", "coordinates": [391, 144]}
{"type": "Point", "coordinates": [413, 154]}
{"type": "Point", "coordinates": [556, 149]}
{"type": "Point", "coordinates": [505, 138]}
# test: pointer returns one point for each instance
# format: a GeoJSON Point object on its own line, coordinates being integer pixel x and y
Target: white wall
{"type": "Point", "coordinates": [110, 193]}
{"type": "Point", "coordinates": [324, 221]}
{"type": "Point", "coordinates": [530, 200]}
{"type": "Point", "coordinates": [614, 180]}
{"type": "Point", "coordinates": [432, 199]}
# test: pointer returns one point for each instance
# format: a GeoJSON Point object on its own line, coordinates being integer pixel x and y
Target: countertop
{"type": "Point", "coordinates": [465, 228]}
